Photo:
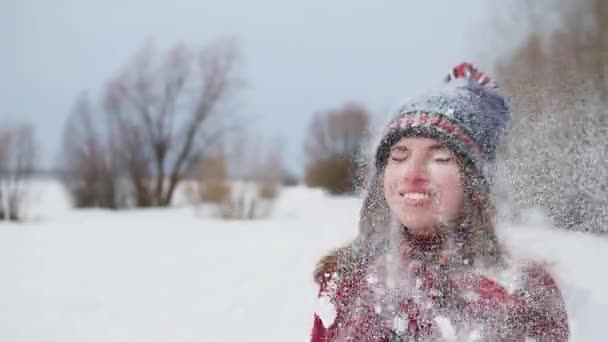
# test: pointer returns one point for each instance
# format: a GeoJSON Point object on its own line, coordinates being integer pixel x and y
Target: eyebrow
{"type": "Point", "coordinates": [438, 146]}
{"type": "Point", "coordinates": [433, 147]}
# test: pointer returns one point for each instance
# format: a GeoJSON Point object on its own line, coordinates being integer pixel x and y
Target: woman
{"type": "Point", "coordinates": [427, 264]}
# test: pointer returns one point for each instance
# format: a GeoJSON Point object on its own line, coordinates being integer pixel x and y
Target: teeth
{"type": "Point", "coordinates": [416, 195]}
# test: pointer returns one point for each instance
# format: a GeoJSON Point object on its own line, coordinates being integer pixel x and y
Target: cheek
{"type": "Point", "coordinates": [448, 182]}
{"type": "Point", "coordinates": [390, 180]}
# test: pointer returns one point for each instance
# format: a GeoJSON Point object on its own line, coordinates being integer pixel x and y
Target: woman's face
{"type": "Point", "coordinates": [423, 185]}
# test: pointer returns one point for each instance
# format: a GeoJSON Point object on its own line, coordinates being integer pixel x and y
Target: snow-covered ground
{"type": "Point", "coordinates": [169, 275]}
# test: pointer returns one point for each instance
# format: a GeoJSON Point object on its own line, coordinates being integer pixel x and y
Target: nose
{"type": "Point", "coordinates": [416, 171]}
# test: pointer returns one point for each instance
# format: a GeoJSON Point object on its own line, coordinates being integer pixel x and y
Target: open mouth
{"type": "Point", "coordinates": [415, 199]}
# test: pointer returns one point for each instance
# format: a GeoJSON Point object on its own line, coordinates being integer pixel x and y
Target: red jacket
{"type": "Point", "coordinates": [474, 302]}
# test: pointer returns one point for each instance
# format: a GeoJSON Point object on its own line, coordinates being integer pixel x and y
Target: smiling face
{"type": "Point", "coordinates": [423, 184]}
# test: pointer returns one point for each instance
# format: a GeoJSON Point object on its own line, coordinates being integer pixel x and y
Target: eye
{"type": "Point", "coordinates": [443, 157]}
{"type": "Point", "coordinates": [399, 153]}
{"type": "Point", "coordinates": [399, 158]}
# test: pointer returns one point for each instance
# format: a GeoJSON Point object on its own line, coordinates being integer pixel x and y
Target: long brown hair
{"type": "Point", "coordinates": [477, 229]}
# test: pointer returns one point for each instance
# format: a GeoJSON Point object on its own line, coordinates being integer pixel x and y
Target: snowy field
{"type": "Point", "coordinates": [169, 275]}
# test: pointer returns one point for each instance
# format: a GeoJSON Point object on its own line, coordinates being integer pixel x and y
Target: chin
{"type": "Point", "coordinates": [419, 227]}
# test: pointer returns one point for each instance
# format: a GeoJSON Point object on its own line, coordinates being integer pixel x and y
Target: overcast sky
{"type": "Point", "coordinates": [299, 57]}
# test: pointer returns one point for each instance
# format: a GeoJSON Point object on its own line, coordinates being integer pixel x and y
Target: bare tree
{"type": "Point", "coordinates": [161, 113]}
{"type": "Point", "coordinates": [155, 121]}
{"type": "Point", "coordinates": [333, 147]}
{"type": "Point", "coordinates": [18, 149]}
{"type": "Point", "coordinates": [90, 169]}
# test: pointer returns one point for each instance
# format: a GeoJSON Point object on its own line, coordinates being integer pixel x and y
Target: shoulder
{"type": "Point", "coordinates": [518, 275]}
{"type": "Point", "coordinates": [541, 290]}
{"type": "Point", "coordinates": [333, 275]}
{"type": "Point", "coordinates": [544, 309]}
{"type": "Point", "coordinates": [338, 262]}
{"type": "Point", "coordinates": [538, 275]}
{"type": "Point", "coordinates": [338, 270]}
{"type": "Point", "coordinates": [532, 281]}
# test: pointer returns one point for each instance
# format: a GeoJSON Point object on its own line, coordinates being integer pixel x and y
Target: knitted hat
{"type": "Point", "coordinates": [467, 112]}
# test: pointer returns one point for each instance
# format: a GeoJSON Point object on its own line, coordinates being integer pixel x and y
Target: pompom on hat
{"type": "Point", "coordinates": [468, 113]}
